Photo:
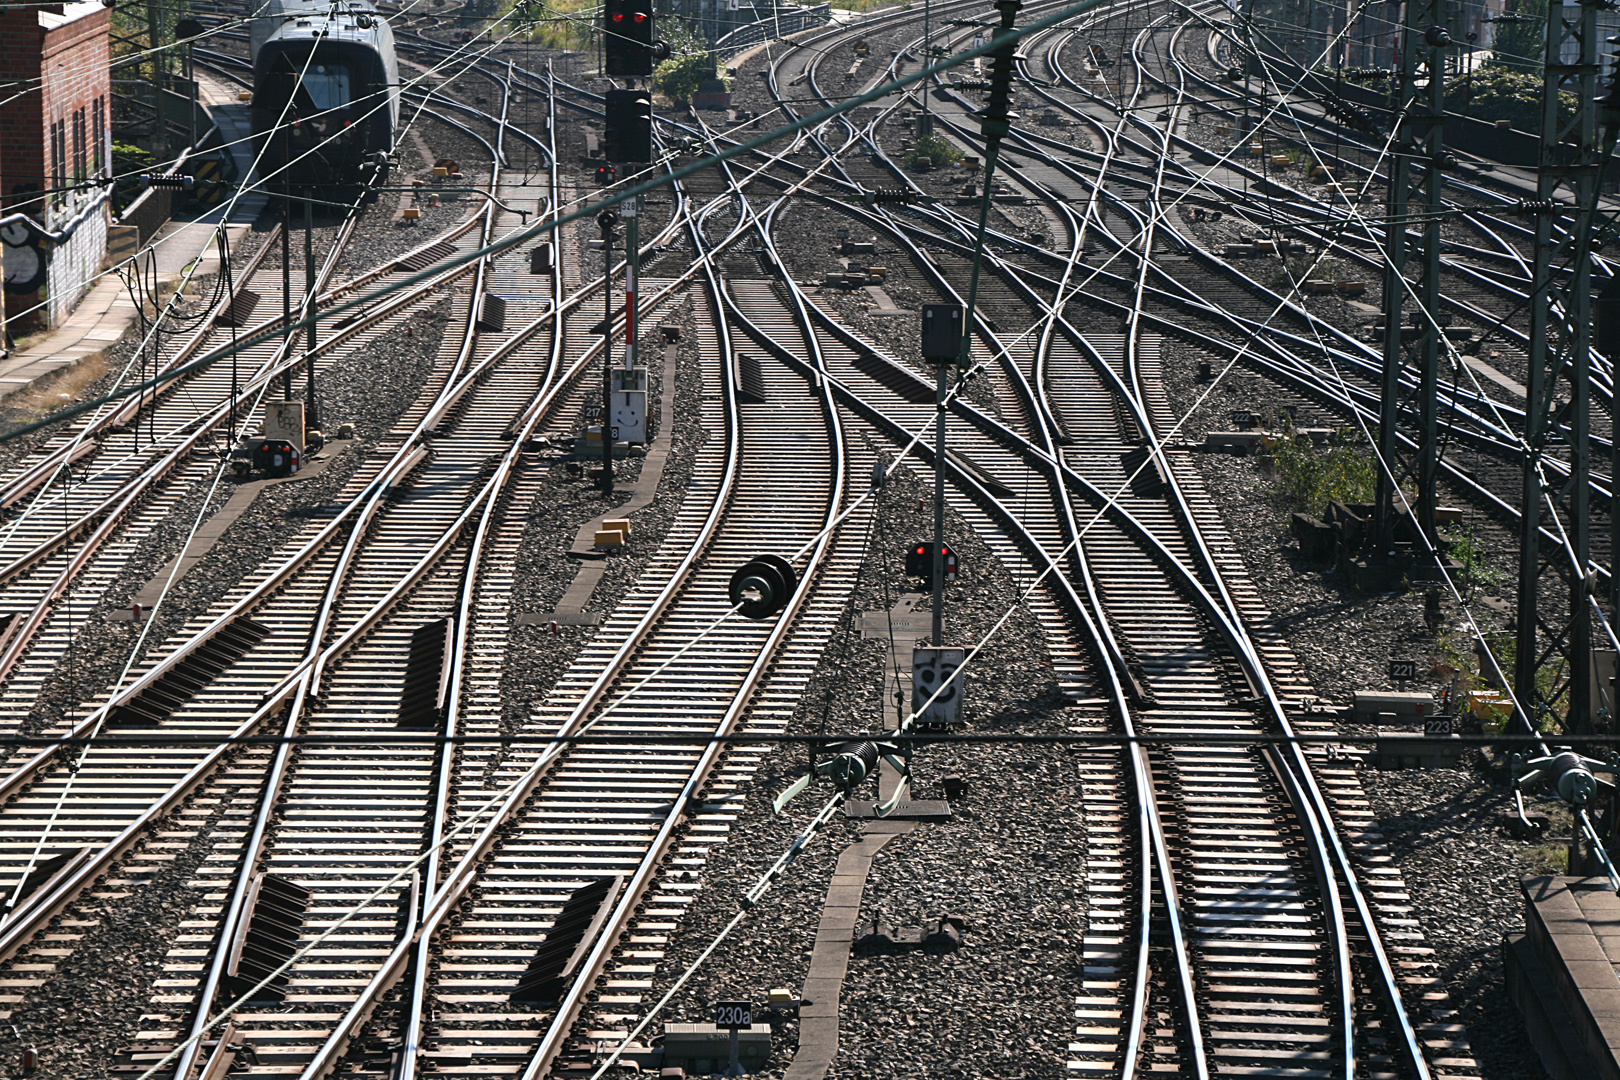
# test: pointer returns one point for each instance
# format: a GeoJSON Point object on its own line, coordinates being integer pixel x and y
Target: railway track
{"type": "Point", "coordinates": [1235, 924]}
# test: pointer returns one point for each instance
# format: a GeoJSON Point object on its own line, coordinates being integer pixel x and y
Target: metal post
{"type": "Point", "coordinates": [160, 134]}
{"type": "Point", "coordinates": [937, 638]}
{"type": "Point", "coordinates": [311, 421]}
{"type": "Point", "coordinates": [926, 126]}
{"type": "Point", "coordinates": [606, 223]}
{"type": "Point", "coordinates": [1418, 142]}
{"type": "Point", "coordinates": [995, 125]}
{"type": "Point", "coordinates": [632, 259]}
{"type": "Point", "coordinates": [1559, 363]}
{"type": "Point", "coordinates": [286, 293]}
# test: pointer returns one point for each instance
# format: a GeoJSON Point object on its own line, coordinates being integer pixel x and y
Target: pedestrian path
{"type": "Point", "coordinates": [107, 311]}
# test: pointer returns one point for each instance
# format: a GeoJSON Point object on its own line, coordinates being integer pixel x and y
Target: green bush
{"type": "Point", "coordinates": [690, 64]}
{"type": "Point", "coordinates": [1499, 93]}
{"type": "Point", "coordinates": [1313, 476]}
{"type": "Point", "coordinates": [938, 150]}
{"type": "Point", "coordinates": [1475, 570]}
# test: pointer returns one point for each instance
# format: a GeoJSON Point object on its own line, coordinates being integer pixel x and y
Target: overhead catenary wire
{"type": "Point", "coordinates": [523, 235]}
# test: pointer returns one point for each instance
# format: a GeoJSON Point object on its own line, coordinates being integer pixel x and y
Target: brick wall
{"type": "Point", "coordinates": [55, 131]}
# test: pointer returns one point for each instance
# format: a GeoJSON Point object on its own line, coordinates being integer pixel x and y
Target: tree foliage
{"type": "Point", "coordinates": [1520, 46]}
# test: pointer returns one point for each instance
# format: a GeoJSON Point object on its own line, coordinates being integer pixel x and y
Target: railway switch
{"type": "Point", "coordinates": [761, 586]}
{"type": "Point", "coordinates": [266, 938]}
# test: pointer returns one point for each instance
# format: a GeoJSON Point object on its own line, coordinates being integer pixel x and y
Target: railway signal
{"type": "Point", "coordinates": [942, 333]}
{"type": "Point", "coordinates": [630, 48]}
{"type": "Point", "coordinates": [606, 176]}
{"type": "Point", "coordinates": [627, 136]}
{"type": "Point", "coordinates": [920, 562]}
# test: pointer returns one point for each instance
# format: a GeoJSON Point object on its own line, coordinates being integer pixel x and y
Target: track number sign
{"type": "Point", "coordinates": [734, 1015]}
{"type": "Point", "coordinates": [931, 669]}
{"type": "Point", "coordinates": [1402, 670]}
{"type": "Point", "coordinates": [1437, 727]}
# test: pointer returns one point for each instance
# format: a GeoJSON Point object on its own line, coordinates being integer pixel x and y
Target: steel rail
{"type": "Point", "coordinates": [1253, 659]}
{"type": "Point", "coordinates": [316, 656]}
{"type": "Point", "coordinates": [1229, 621]}
{"type": "Point", "coordinates": [591, 967]}
{"type": "Point", "coordinates": [439, 903]}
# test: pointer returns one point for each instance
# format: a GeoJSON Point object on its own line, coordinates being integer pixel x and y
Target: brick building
{"type": "Point", "coordinates": [55, 83]}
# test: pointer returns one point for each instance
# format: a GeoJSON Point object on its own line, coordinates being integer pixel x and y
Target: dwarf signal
{"type": "Point", "coordinates": [920, 561]}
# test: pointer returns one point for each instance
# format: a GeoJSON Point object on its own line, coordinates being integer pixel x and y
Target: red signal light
{"type": "Point", "coordinates": [640, 16]}
{"type": "Point", "coordinates": [617, 16]}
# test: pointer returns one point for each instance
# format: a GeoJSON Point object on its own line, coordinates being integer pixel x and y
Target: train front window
{"type": "Point", "coordinates": [325, 86]}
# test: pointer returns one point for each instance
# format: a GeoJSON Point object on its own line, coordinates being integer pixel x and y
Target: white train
{"type": "Point", "coordinates": [325, 90]}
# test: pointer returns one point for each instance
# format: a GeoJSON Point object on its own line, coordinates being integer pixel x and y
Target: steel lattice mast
{"type": "Point", "coordinates": [1558, 408]}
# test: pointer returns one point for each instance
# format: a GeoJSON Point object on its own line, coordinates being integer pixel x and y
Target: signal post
{"type": "Point", "coordinates": [630, 50]}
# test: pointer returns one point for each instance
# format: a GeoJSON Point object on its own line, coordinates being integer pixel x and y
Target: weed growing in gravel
{"type": "Point", "coordinates": [1475, 570]}
{"type": "Point", "coordinates": [936, 149]}
{"type": "Point", "coordinates": [1313, 476]}
{"type": "Point", "coordinates": [1552, 683]}
{"type": "Point", "coordinates": [1551, 854]}
{"type": "Point", "coordinates": [1545, 859]}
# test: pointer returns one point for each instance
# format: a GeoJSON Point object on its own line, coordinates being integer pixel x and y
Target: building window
{"type": "Point", "coordinates": [58, 161]}
{"type": "Point", "coordinates": [81, 157]}
{"type": "Point", "coordinates": [98, 136]}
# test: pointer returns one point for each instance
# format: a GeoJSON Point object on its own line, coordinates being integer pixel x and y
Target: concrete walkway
{"type": "Point", "coordinates": [829, 959]}
{"type": "Point", "coordinates": [107, 311]}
